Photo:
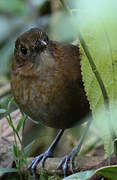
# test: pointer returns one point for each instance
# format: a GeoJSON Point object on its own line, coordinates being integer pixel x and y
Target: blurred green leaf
{"type": "Point", "coordinates": [11, 101]}
{"type": "Point", "coordinates": [5, 23]}
{"type": "Point", "coordinates": [12, 6]}
{"type": "Point", "coordinates": [29, 146]}
{"type": "Point", "coordinates": [2, 111]}
{"type": "Point", "coordinates": [21, 122]}
{"type": "Point", "coordinates": [8, 170]}
{"type": "Point", "coordinates": [109, 172]}
{"type": "Point", "coordinates": [99, 33]}
{"type": "Point", "coordinates": [63, 30]}
{"type": "Point", "coordinates": [43, 176]}
{"type": "Point", "coordinates": [38, 3]}
{"type": "Point", "coordinates": [5, 53]}
{"type": "Point", "coordinates": [97, 23]}
{"type": "Point", "coordinates": [102, 124]}
{"type": "Point", "coordinates": [15, 151]}
{"type": "Point", "coordinates": [10, 122]}
{"type": "Point", "coordinates": [81, 175]}
{"type": "Point", "coordinates": [4, 100]}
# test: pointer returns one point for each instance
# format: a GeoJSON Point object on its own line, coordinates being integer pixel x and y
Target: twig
{"type": "Point", "coordinates": [81, 163]}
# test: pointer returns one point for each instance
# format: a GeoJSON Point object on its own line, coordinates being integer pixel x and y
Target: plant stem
{"type": "Point", "coordinates": [100, 82]}
{"type": "Point", "coordinates": [15, 129]}
{"type": "Point", "coordinates": [94, 69]}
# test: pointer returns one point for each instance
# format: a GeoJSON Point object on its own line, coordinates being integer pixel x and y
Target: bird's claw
{"type": "Point", "coordinates": [63, 164]}
{"type": "Point", "coordinates": [41, 158]}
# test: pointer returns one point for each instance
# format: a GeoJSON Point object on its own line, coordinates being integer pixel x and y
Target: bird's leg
{"type": "Point", "coordinates": [70, 157]}
{"type": "Point", "coordinates": [48, 153]}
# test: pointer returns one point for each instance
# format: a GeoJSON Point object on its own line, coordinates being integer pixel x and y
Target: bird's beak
{"type": "Point", "coordinates": [43, 43]}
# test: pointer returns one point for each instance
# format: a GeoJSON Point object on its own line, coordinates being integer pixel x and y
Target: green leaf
{"type": "Point", "coordinates": [99, 33]}
{"type": "Point", "coordinates": [11, 101]}
{"type": "Point", "coordinates": [103, 126]}
{"type": "Point", "coordinates": [16, 151]}
{"type": "Point", "coordinates": [29, 146]}
{"type": "Point", "coordinates": [8, 170]}
{"type": "Point", "coordinates": [21, 122]}
{"type": "Point", "coordinates": [63, 22]}
{"type": "Point", "coordinates": [81, 175]}
{"type": "Point", "coordinates": [5, 52]}
{"type": "Point", "coordinates": [2, 111]}
{"type": "Point", "coordinates": [4, 100]}
{"type": "Point", "coordinates": [12, 6]}
{"type": "Point", "coordinates": [9, 106]}
{"type": "Point", "coordinates": [109, 172]}
{"type": "Point", "coordinates": [10, 123]}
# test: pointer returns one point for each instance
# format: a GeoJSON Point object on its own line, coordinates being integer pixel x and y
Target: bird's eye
{"type": "Point", "coordinates": [23, 50]}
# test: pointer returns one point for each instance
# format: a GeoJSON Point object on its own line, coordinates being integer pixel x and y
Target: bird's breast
{"type": "Point", "coordinates": [53, 100]}
{"type": "Point", "coordinates": [40, 99]}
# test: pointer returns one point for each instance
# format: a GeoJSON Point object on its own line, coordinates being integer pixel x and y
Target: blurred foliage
{"type": "Point", "coordinates": [15, 17]}
{"type": "Point", "coordinates": [81, 175]}
{"type": "Point", "coordinates": [108, 172]}
{"type": "Point", "coordinates": [12, 6]}
{"type": "Point", "coordinates": [99, 32]}
{"type": "Point", "coordinates": [96, 21]}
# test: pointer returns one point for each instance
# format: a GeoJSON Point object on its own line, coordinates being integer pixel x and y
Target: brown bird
{"type": "Point", "coordinates": [47, 85]}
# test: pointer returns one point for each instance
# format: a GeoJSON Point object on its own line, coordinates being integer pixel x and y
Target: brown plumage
{"type": "Point", "coordinates": [47, 85]}
{"type": "Point", "coordinates": [46, 80]}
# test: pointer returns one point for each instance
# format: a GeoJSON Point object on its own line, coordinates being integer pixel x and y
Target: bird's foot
{"type": "Point", "coordinates": [41, 158]}
{"type": "Point", "coordinates": [63, 164]}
